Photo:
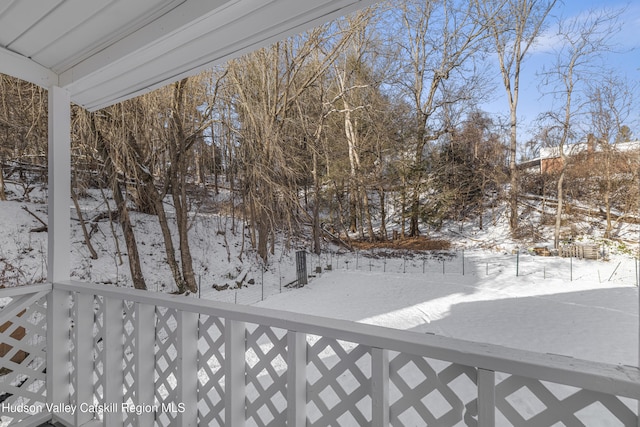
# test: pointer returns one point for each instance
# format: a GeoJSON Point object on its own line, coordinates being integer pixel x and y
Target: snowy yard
{"type": "Point", "coordinates": [585, 318]}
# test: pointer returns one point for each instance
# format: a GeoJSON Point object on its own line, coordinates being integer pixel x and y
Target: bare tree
{"type": "Point", "coordinates": [581, 40]}
{"type": "Point", "coordinates": [115, 159]}
{"type": "Point", "coordinates": [23, 132]}
{"type": "Point", "coordinates": [611, 102]}
{"type": "Point", "coordinates": [354, 83]}
{"type": "Point", "coordinates": [440, 39]}
{"type": "Point", "coordinates": [514, 26]}
{"type": "Point", "coordinates": [264, 87]}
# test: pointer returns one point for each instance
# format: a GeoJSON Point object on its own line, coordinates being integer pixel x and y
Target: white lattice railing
{"type": "Point", "coordinates": [23, 340]}
{"type": "Point", "coordinates": [138, 358]}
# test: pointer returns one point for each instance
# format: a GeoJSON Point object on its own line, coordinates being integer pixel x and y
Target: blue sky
{"type": "Point", "coordinates": [623, 60]}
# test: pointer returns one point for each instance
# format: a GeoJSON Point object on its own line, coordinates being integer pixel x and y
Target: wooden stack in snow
{"type": "Point", "coordinates": [579, 251]}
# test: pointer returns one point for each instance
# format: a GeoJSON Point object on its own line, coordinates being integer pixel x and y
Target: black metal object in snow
{"type": "Point", "coordinates": [301, 267]}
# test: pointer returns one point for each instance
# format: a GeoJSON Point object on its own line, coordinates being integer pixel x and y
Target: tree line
{"type": "Point", "coordinates": [374, 115]}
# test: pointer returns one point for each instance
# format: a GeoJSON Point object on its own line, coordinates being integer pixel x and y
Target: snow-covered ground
{"type": "Point", "coordinates": [583, 318]}
{"type": "Point", "coordinates": [488, 288]}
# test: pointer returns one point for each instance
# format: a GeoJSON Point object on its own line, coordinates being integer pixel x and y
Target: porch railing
{"type": "Point", "coordinates": [113, 356]}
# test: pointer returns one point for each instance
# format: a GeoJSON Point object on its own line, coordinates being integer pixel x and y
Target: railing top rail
{"type": "Point", "coordinates": [24, 290]}
{"type": "Point", "coordinates": [606, 378]}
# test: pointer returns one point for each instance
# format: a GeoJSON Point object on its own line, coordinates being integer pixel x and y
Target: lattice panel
{"type": "Point", "coordinates": [529, 402]}
{"type": "Point", "coordinates": [166, 372]}
{"type": "Point", "coordinates": [338, 383]}
{"type": "Point", "coordinates": [98, 352]}
{"type": "Point", "coordinates": [129, 365]}
{"type": "Point", "coordinates": [73, 313]}
{"type": "Point", "coordinates": [266, 368]}
{"type": "Point", "coordinates": [210, 371]}
{"type": "Point", "coordinates": [23, 357]}
{"type": "Point", "coordinates": [431, 392]}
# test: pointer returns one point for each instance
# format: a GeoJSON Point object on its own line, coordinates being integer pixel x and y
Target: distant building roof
{"type": "Point", "coordinates": [572, 150]}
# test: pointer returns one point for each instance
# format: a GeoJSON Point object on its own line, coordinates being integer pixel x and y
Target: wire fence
{"type": "Point", "coordinates": [622, 271]}
{"type": "Point", "coordinates": [280, 276]}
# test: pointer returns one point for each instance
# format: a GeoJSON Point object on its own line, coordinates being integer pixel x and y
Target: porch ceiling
{"type": "Point", "coordinates": [106, 51]}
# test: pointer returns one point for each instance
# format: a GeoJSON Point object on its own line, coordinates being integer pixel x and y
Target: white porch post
{"type": "Point", "coordinates": [58, 267]}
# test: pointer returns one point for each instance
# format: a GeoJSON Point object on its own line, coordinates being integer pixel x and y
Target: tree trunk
{"type": "Point", "coordinates": [556, 232]}
{"type": "Point", "coordinates": [3, 195]}
{"type": "Point", "coordinates": [414, 213]}
{"type": "Point", "coordinates": [317, 238]}
{"type": "Point", "coordinates": [414, 224]}
{"type": "Point", "coordinates": [403, 207]}
{"type": "Point", "coordinates": [178, 172]}
{"type": "Point", "coordinates": [354, 164]}
{"type": "Point", "coordinates": [83, 225]}
{"type": "Point", "coordinates": [513, 172]}
{"type": "Point", "coordinates": [353, 209]}
{"type": "Point", "coordinates": [607, 193]}
{"type": "Point", "coordinates": [123, 212]}
{"type": "Point", "coordinates": [185, 252]}
{"type": "Point", "coordinates": [129, 235]}
{"type": "Point", "coordinates": [383, 215]}
{"type": "Point", "coordinates": [156, 199]}
{"type": "Point", "coordinates": [367, 213]}
{"type": "Point", "coordinates": [263, 236]}
{"type": "Point", "coordinates": [153, 198]}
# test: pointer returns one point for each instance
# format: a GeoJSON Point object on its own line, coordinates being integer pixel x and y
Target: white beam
{"type": "Point", "coordinates": [23, 68]}
{"type": "Point", "coordinates": [82, 348]}
{"type": "Point", "coordinates": [58, 324]}
{"type": "Point", "coordinates": [234, 373]}
{"type": "Point", "coordinates": [144, 360]}
{"type": "Point", "coordinates": [113, 353]}
{"type": "Point", "coordinates": [486, 398]}
{"type": "Point", "coordinates": [187, 389]}
{"type": "Point", "coordinates": [380, 386]}
{"type": "Point", "coordinates": [296, 379]}
{"type": "Point", "coordinates": [58, 268]}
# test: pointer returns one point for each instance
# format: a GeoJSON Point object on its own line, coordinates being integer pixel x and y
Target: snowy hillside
{"type": "Point", "coordinates": [487, 288]}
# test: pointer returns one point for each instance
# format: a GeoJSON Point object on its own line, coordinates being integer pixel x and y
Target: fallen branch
{"type": "Point", "coordinates": [110, 215]}
{"type": "Point", "coordinates": [336, 239]}
{"type": "Point", "coordinates": [39, 229]}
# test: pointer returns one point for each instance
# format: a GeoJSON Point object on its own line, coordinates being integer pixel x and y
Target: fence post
{"type": "Point", "coordinates": [571, 269]}
{"type": "Point", "coordinates": [463, 262]}
{"type": "Point", "coordinates": [614, 271]}
{"type": "Point", "coordinates": [486, 398]}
